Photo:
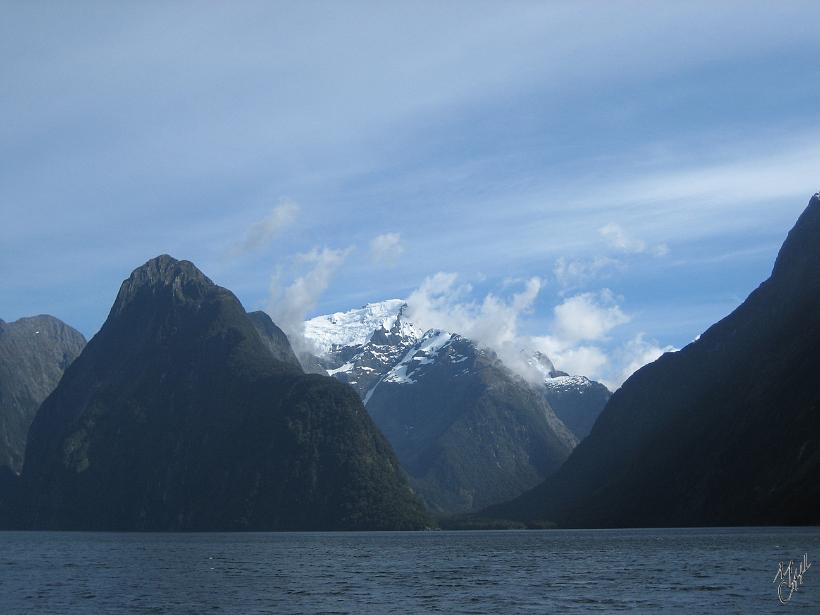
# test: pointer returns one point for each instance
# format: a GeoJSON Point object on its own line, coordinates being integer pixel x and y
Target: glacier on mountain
{"type": "Point", "coordinates": [353, 327]}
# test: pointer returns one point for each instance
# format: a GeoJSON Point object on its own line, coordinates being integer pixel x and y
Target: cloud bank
{"type": "Point", "coordinates": [442, 303]}
{"type": "Point", "coordinates": [579, 332]}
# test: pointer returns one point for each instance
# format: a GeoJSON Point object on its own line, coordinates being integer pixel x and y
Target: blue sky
{"type": "Point", "coordinates": [642, 161]}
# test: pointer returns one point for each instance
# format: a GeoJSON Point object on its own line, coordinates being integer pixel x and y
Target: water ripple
{"type": "Point", "coordinates": [598, 571]}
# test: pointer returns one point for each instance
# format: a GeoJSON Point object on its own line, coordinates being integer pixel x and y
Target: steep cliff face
{"type": "Point", "coordinates": [725, 431]}
{"type": "Point", "coordinates": [274, 338]}
{"type": "Point", "coordinates": [179, 415]}
{"type": "Point", "coordinates": [34, 353]}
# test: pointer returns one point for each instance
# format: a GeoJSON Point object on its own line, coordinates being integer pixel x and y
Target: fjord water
{"type": "Point", "coordinates": [552, 571]}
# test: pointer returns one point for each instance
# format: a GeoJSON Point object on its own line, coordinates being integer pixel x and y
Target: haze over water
{"type": "Point", "coordinates": [566, 571]}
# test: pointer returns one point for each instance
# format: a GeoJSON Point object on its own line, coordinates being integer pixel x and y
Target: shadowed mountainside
{"type": "Point", "coordinates": [725, 431]}
{"type": "Point", "coordinates": [468, 431]}
{"type": "Point", "coordinates": [179, 416]}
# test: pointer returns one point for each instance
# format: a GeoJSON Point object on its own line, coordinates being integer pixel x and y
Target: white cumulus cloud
{"type": "Point", "coordinates": [289, 303]}
{"type": "Point", "coordinates": [580, 325]}
{"type": "Point", "coordinates": [578, 338]}
{"type": "Point", "coordinates": [589, 361]}
{"type": "Point", "coordinates": [587, 317]}
{"type": "Point", "coordinates": [441, 303]}
{"type": "Point", "coordinates": [386, 249]}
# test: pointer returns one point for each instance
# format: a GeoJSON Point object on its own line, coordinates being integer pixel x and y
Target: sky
{"type": "Point", "coordinates": [598, 180]}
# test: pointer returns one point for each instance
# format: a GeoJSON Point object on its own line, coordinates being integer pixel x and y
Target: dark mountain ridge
{"type": "Point", "coordinates": [274, 338]}
{"type": "Point", "coordinates": [178, 415]}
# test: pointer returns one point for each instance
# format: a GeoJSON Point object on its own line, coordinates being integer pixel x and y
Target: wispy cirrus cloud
{"type": "Point", "coordinates": [263, 231]}
{"type": "Point", "coordinates": [628, 114]}
{"type": "Point", "coordinates": [618, 238]}
{"type": "Point", "coordinates": [573, 272]}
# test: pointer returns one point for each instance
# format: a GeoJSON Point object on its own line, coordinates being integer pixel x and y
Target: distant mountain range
{"type": "Point", "coordinates": [34, 353]}
{"type": "Point", "coordinates": [468, 431]}
{"type": "Point", "coordinates": [725, 431]}
{"type": "Point", "coordinates": [186, 413]}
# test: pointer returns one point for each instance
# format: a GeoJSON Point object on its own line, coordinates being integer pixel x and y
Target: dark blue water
{"type": "Point", "coordinates": [692, 571]}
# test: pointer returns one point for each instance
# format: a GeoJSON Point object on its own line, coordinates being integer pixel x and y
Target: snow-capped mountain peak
{"type": "Point", "coordinates": [332, 332]}
{"type": "Point", "coordinates": [359, 347]}
{"type": "Point", "coordinates": [376, 345]}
